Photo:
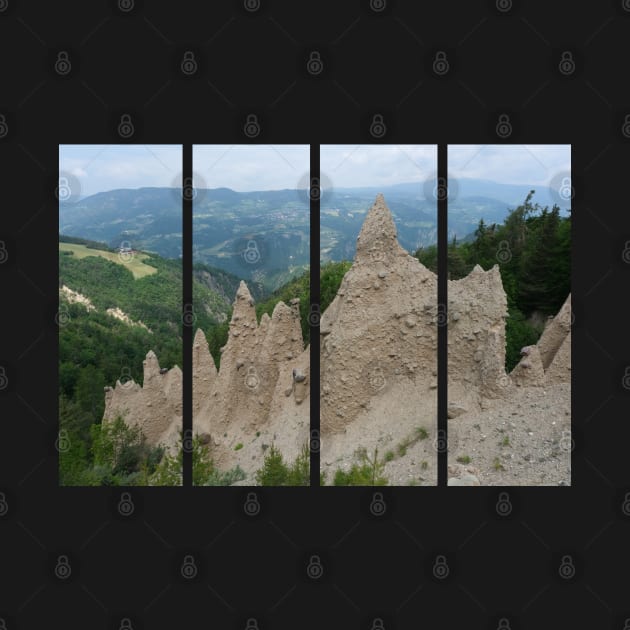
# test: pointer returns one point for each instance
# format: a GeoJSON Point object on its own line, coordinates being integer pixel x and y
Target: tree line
{"type": "Point", "coordinates": [533, 250]}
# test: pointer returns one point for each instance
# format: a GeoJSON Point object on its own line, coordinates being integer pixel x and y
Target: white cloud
{"type": "Point", "coordinates": [510, 164]}
{"type": "Point", "coordinates": [372, 165]}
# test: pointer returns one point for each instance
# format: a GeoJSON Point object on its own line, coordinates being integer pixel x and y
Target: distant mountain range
{"type": "Point", "coordinates": [263, 236]}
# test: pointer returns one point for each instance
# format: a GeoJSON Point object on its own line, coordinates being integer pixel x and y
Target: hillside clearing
{"type": "Point", "coordinates": [138, 268]}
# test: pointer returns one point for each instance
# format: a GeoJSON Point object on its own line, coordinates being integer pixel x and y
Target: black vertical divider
{"type": "Point", "coordinates": [314, 312]}
{"type": "Point", "coordinates": [442, 314]}
{"type": "Point", "coordinates": [187, 309]}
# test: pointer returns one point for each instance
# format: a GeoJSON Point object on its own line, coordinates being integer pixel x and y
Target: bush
{"type": "Point", "coordinates": [366, 472]}
{"type": "Point", "coordinates": [275, 472]}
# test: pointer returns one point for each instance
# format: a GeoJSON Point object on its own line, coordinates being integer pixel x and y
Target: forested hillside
{"type": "Point", "coordinates": [533, 250]}
{"type": "Point", "coordinates": [96, 349]}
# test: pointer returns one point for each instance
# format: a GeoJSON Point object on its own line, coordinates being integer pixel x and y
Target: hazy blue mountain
{"type": "Point", "coordinates": [263, 236]}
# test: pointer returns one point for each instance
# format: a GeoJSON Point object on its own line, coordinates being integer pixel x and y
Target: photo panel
{"type": "Point", "coordinates": [378, 329]}
{"type": "Point", "coordinates": [251, 290]}
{"type": "Point", "coordinates": [120, 315]}
{"type": "Point", "coordinates": [509, 315]}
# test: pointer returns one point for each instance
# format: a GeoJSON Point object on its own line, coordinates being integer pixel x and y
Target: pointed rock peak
{"type": "Point", "coordinates": [243, 292]}
{"type": "Point", "coordinates": [243, 306]}
{"type": "Point", "coordinates": [151, 365]}
{"type": "Point", "coordinates": [202, 359]}
{"type": "Point", "coordinates": [377, 237]}
{"type": "Point", "coordinates": [200, 337]}
{"type": "Point", "coordinates": [280, 310]}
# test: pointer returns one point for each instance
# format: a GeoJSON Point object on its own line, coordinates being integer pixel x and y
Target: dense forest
{"type": "Point", "coordinates": [533, 250]}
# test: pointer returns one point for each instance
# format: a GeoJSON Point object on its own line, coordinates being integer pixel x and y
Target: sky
{"type": "Point", "coordinates": [351, 165]}
{"type": "Point", "coordinates": [98, 168]}
{"type": "Point", "coordinates": [244, 168]}
{"type": "Point", "coordinates": [537, 164]}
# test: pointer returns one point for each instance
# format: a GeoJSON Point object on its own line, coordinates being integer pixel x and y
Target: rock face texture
{"type": "Point", "coordinates": [156, 406]}
{"type": "Point", "coordinates": [378, 346]}
{"type": "Point", "coordinates": [378, 349]}
{"type": "Point", "coordinates": [260, 393]}
{"type": "Point", "coordinates": [378, 379]}
{"type": "Point", "coordinates": [380, 330]}
{"type": "Point", "coordinates": [258, 397]}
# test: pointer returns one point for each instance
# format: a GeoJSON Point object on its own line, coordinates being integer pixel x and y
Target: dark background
{"type": "Point", "coordinates": [125, 571]}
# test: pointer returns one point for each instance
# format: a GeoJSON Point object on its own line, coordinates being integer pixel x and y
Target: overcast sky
{"type": "Point", "coordinates": [252, 167]}
{"type": "Point", "coordinates": [510, 164]}
{"type": "Point", "coordinates": [270, 167]}
{"type": "Point", "coordinates": [107, 167]}
{"type": "Point", "coordinates": [350, 165]}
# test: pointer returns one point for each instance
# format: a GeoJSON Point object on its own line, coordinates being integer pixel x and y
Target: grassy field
{"type": "Point", "coordinates": [135, 265]}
